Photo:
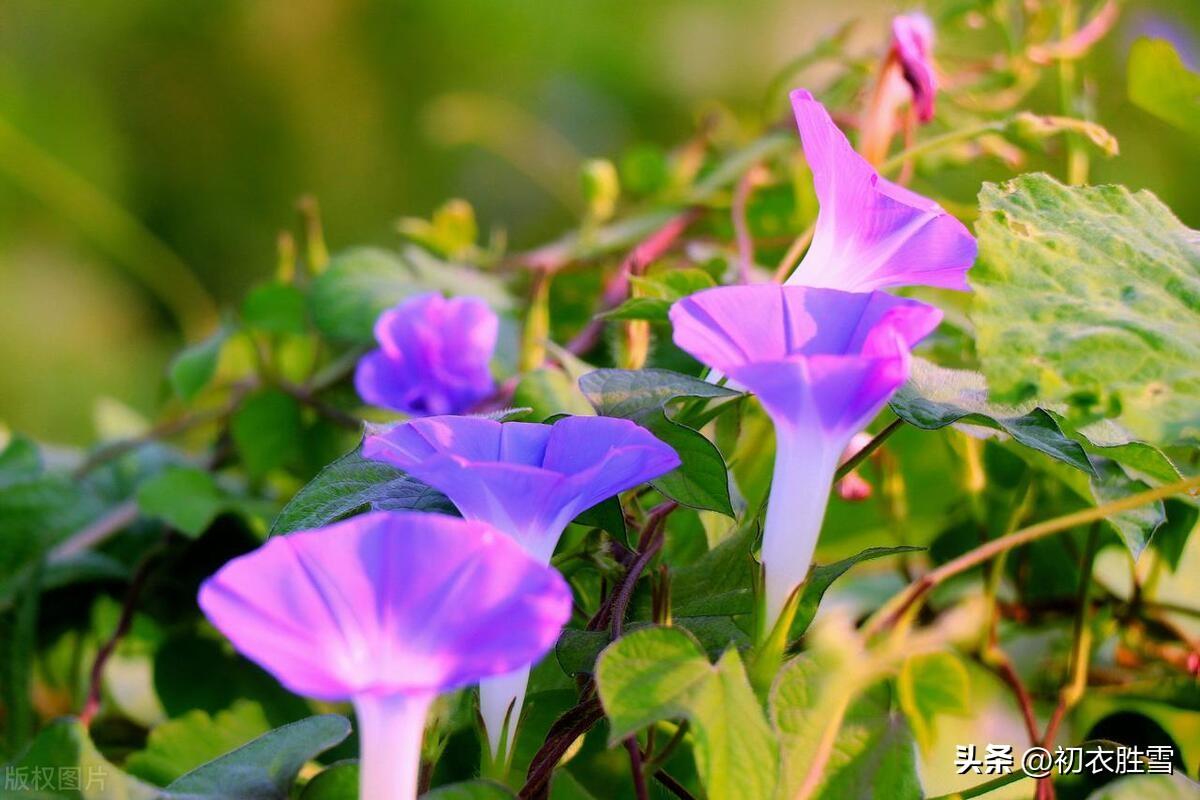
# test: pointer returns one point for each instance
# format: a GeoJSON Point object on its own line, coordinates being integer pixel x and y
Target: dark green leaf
{"type": "Point", "coordinates": [663, 673]}
{"type": "Point", "coordinates": [935, 397]}
{"type": "Point", "coordinates": [195, 366]}
{"type": "Point", "coordinates": [267, 431]}
{"type": "Point", "coordinates": [1160, 83]}
{"type": "Point", "coordinates": [353, 484]}
{"type": "Point", "coordinates": [186, 498]}
{"type": "Point", "coordinates": [275, 308]}
{"type": "Point", "coordinates": [822, 577]}
{"type": "Point", "coordinates": [719, 583]}
{"type": "Point", "coordinates": [267, 766]}
{"type": "Point", "coordinates": [336, 782]}
{"type": "Point", "coordinates": [470, 790]}
{"type": "Point", "coordinates": [1090, 296]}
{"type": "Point", "coordinates": [643, 396]}
{"type": "Point", "coordinates": [64, 749]}
{"type": "Point", "coordinates": [20, 460]}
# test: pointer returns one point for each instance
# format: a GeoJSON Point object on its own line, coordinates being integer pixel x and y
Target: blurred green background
{"type": "Point", "coordinates": [150, 150]}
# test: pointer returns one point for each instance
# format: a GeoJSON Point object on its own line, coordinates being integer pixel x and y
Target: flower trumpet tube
{"type": "Point", "coordinates": [388, 610]}
{"type": "Point", "coordinates": [527, 480]}
{"type": "Point", "coordinates": [822, 363]}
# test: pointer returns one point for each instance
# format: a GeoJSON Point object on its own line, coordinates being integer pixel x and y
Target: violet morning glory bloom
{"type": "Point", "coordinates": [912, 48]}
{"type": "Point", "coordinates": [871, 233]}
{"type": "Point", "coordinates": [823, 363]}
{"type": "Point", "coordinates": [387, 610]}
{"type": "Point", "coordinates": [529, 481]}
{"type": "Point", "coordinates": [433, 356]}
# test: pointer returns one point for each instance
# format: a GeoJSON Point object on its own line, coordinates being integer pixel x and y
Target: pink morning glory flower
{"type": "Point", "coordinates": [529, 481]}
{"type": "Point", "coordinates": [872, 233]}
{"type": "Point", "coordinates": [823, 363]}
{"type": "Point", "coordinates": [912, 49]}
{"type": "Point", "coordinates": [387, 610]}
{"type": "Point", "coordinates": [433, 356]}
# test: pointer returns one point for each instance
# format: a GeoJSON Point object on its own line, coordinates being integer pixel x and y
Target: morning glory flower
{"type": "Point", "coordinates": [433, 356]}
{"type": "Point", "coordinates": [529, 481]}
{"type": "Point", "coordinates": [387, 610]}
{"type": "Point", "coordinates": [871, 233]}
{"type": "Point", "coordinates": [912, 49]}
{"type": "Point", "coordinates": [822, 363]}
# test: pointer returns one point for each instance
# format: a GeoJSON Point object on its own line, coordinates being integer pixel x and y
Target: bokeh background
{"type": "Point", "coordinates": [150, 150]}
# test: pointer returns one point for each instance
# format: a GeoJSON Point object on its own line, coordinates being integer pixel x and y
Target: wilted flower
{"type": "Point", "coordinates": [823, 363]}
{"type": "Point", "coordinates": [907, 79]}
{"type": "Point", "coordinates": [872, 233]}
{"type": "Point", "coordinates": [433, 356]}
{"type": "Point", "coordinates": [387, 610]}
{"type": "Point", "coordinates": [529, 481]}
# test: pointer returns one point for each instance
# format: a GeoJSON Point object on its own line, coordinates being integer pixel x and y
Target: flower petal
{"type": "Point", "coordinates": [872, 233]}
{"type": "Point", "coordinates": [388, 602]}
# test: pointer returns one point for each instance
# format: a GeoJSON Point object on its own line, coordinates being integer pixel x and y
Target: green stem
{"type": "Point", "coordinates": [894, 609]}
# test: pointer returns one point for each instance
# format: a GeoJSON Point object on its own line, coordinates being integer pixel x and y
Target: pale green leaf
{"type": "Point", "coordinates": [1090, 296]}
{"type": "Point", "coordinates": [663, 673]}
{"type": "Point", "coordinates": [930, 684]}
{"type": "Point", "coordinates": [1160, 83]}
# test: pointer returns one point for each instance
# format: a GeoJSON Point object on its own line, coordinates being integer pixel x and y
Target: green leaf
{"type": "Point", "coordinates": [186, 498]}
{"type": "Point", "coordinates": [357, 287]}
{"type": "Point", "coordinates": [470, 790]}
{"type": "Point", "coordinates": [181, 744]}
{"type": "Point", "coordinates": [37, 513]}
{"type": "Point", "coordinates": [336, 782]}
{"type": "Point", "coordinates": [872, 752]}
{"type": "Point", "coordinates": [656, 293]}
{"type": "Point", "coordinates": [822, 576]}
{"type": "Point", "coordinates": [548, 391]}
{"type": "Point", "coordinates": [1090, 296]}
{"type": "Point", "coordinates": [65, 764]}
{"type": "Point", "coordinates": [702, 481]}
{"type": "Point", "coordinates": [935, 397]}
{"type": "Point", "coordinates": [267, 431]}
{"type": "Point", "coordinates": [663, 673]}
{"type": "Point", "coordinates": [194, 366]}
{"type": "Point", "coordinates": [353, 484]}
{"type": "Point", "coordinates": [276, 308]}
{"type": "Point", "coordinates": [19, 460]}
{"type": "Point", "coordinates": [266, 767]}
{"type": "Point", "coordinates": [362, 283]}
{"type": "Point", "coordinates": [930, 684]}
{"type": "Point", "coordinates": [1160, 83]}
{"type": "Point", "coordinates": [720, 582]}
{"type": "Point", "coordinates": [651, 309]}
{"type": "Point", "coordinates": [577, 650]}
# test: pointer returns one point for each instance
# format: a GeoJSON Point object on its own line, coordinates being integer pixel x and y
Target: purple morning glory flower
{"type": "Point", "coordinates": [387, 610]}
{"type": "Point", "coordinates": [912, 48]}
{"type": "Point", "coordinates": [872, 233]}
{"type": "Point", "coordinates": [529, 481]}
{"type": "Point", "coordinates": [823, 363]}
{"type": "Point", "coordinates": [433, 356]}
